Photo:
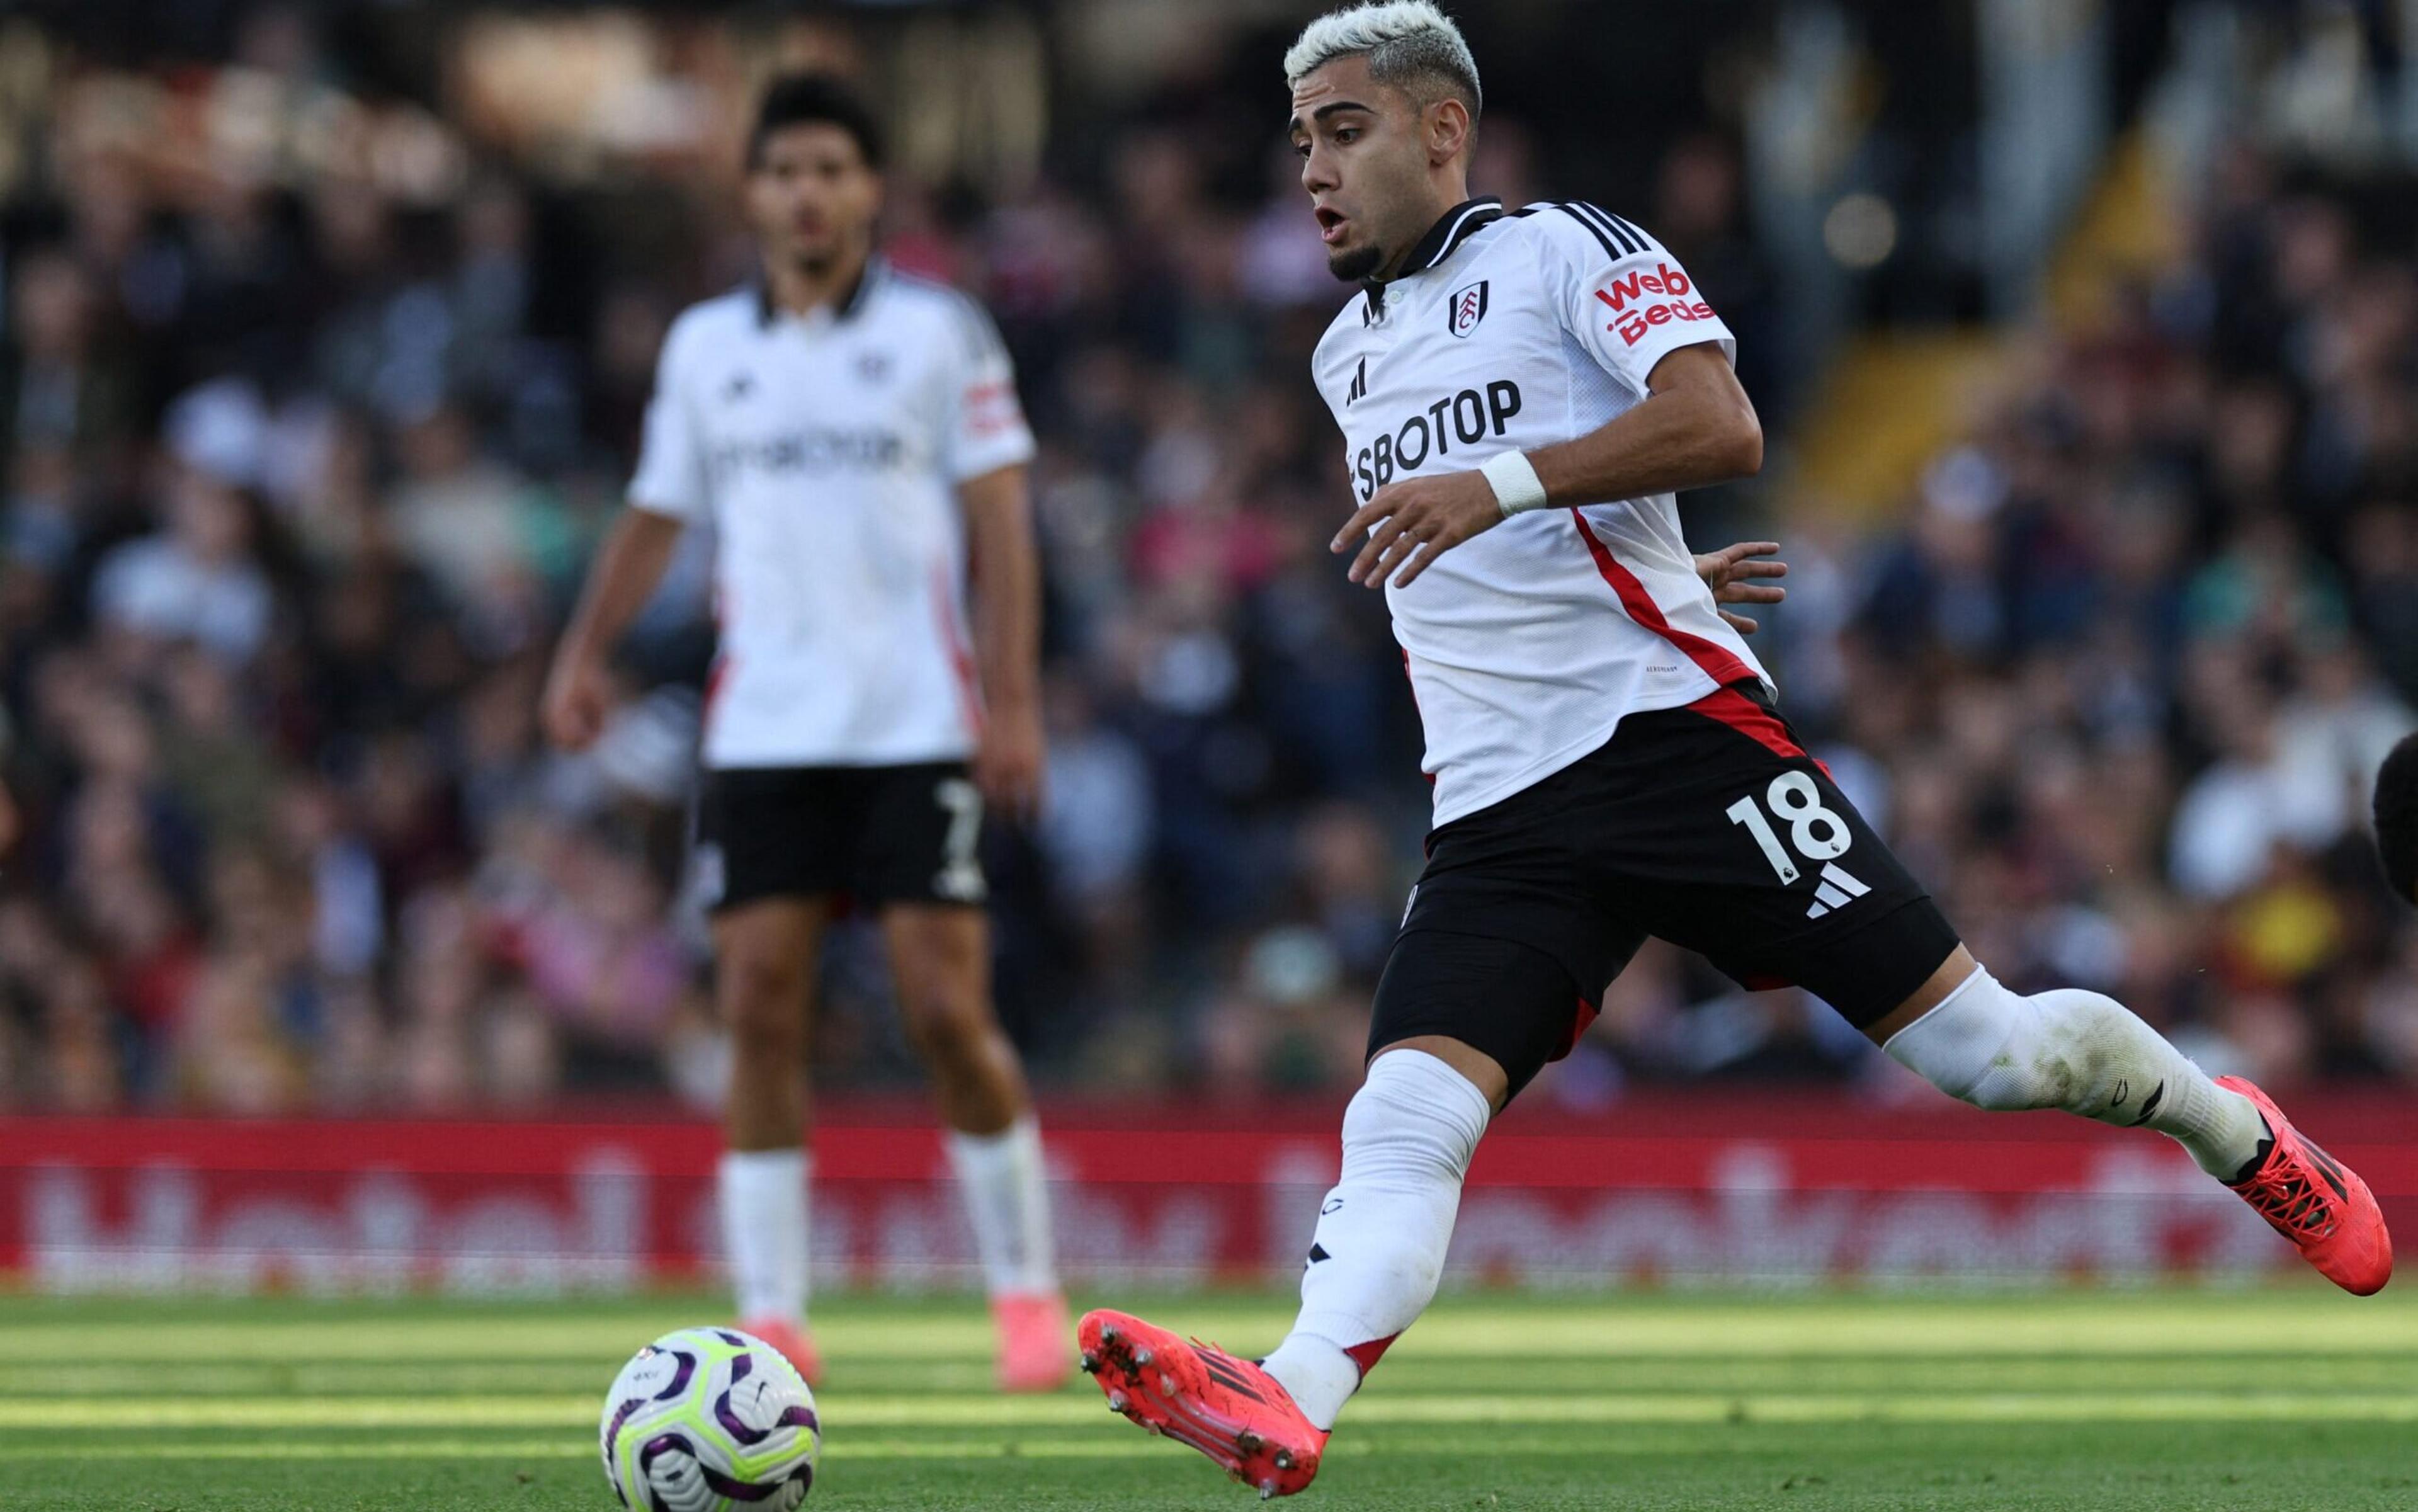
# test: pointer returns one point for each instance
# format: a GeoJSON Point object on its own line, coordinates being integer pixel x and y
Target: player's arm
{"type": "Point", "coordinates": [578, 690]}
{"type": "Point", "coordinates": [1006, 580]}
{"type": "Point", "coordinates": [1695, 427]}
{"type": "Point", "coordinates": [667, 493]}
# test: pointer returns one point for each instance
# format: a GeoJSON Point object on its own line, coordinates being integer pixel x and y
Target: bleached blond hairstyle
{"type": "Point", "coordinates": [1407, 42]}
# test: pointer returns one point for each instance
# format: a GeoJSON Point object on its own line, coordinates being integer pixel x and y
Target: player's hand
{"type": "Point", "coordinates": [1008, 761]}
{"type": "Point", "coordinates": [1415, 521]}
{"type": "Point", "coordinates": [1730, 574]}
{"type": "Point", "coordinates": [578, 701]}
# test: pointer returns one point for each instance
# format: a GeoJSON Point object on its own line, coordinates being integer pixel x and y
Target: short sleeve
{"type": "Point", "coordinates": [1623, 295]}
{"type": "Point", "coordinates": [672, 476]}
{"type": "Point", "coordinates": [986, 428]}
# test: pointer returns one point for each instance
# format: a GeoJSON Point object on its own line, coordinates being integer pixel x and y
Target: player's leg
{"type": "Point", "coordinates": [2075, 1051]}
{"type": "Point", "coordinates": [764, 963]}
{"type": "Point", "coordinates": [765, 843]}
{"type": "Point", "coordinates": [1789, 884]}
{"type": "Point", "coordinates": [2085, 1053]}
{"type": "Point", "coordinates": [924, 822]}
{"type": "Point", "coordinates": [939, 958]}
{"type": "Point", "coordinates": [1462, 1022]}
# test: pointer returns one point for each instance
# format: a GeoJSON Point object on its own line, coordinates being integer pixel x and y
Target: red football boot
{"type": "Point", "coordinates": [1032, 1328]}
{"type": "Point", "coordinates": [794, 1344]}
{"type": "Point", "coordinates": [1199, 1395]}
{"type": "Point", "coordinates": [2311, 1200]}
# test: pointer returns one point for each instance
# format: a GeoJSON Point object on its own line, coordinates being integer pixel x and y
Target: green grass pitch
{"type": "Point", "coordinates": [2264, 1398]}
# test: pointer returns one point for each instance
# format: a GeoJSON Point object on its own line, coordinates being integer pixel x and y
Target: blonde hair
{"type": "Point", "coordinates": [1406, 42]}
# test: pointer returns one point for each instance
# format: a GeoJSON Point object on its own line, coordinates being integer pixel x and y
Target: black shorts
{"type": "Point", "coordinates": [1707, 826]}
{"type": "Point", "coordinates": [880, 834]}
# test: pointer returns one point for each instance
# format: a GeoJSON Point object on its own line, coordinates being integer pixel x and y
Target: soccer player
{"type": "Point", "coordinates": [853, 434]}
{"type": "Point", "coordinates": [2396, 818]}
{"type": "Point", "coordinates": [1521, 392]}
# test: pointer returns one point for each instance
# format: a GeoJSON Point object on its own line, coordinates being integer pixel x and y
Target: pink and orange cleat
{"type": "Point", "coordinates": [792, 1342]}
{"type": "Point", "coordinates": [1032, 1328]}
{"type": "Point", "coordinates": [2310, 1198]}
{"type": "Point", "coordinates": [1199, 1395]}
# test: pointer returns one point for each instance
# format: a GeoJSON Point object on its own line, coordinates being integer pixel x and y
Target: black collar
{"type": "Point", "coordinates": [852, 304]}
{"type": "Point", "coordinates": [1442, 239]}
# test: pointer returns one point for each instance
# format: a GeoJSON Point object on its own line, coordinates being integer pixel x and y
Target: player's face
{"type": "Point", "coordinates": [1365, 162]}
{"type": "Point", "coordinates": [811, 196]}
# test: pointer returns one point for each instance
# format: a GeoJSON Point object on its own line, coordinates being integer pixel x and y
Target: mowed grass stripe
{"type": "Point", "coordinates": [1405, 1372]}
{"type": "Point", "coordinates": [2149, 1325]}
{"type": "Point", "coordinates": [1005, 1412]}
{"type": "Point", "coordinates": [1107, 1446]}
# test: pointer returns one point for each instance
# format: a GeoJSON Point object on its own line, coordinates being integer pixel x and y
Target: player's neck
{"type": "Point", "coordinates": [798, 289]}
{"type": "Point", "coordinates": [1443, 196]}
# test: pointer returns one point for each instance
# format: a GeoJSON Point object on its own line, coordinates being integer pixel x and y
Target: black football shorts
{"type": "Point", "coordinates": [877, 835]}
{"type": "Point", "coordinates": [1708, 825]}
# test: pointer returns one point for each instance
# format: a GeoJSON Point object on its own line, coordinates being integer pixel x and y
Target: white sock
{"type": "Point", "coordinates": [2083, 1052]}
{"type": "Point", "coordinates": [1008, 1201]}
{"type": "Point", "coordinates": [1383, 1230]}
{"type": "Point", "coordinates": [764, 1231]}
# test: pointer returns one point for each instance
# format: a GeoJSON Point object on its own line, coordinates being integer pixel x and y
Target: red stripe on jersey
{"type": "Point", "coordinates": [1717, 663]}
{"type": "Point", "coordinates": [717, 673]}
{"type": "Point", "coordinates": [961, 661]}
{"type": "Point", "coordinates": [1758, 723]}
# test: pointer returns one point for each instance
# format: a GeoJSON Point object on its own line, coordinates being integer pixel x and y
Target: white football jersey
{"type": "Point", "coordinates": [826, 452]}
{"type": "Point", "coordinates": [1527, 645]}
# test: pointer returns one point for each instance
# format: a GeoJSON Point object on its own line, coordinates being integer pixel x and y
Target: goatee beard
{"type": "Point", "coordinates": [1352, 266]}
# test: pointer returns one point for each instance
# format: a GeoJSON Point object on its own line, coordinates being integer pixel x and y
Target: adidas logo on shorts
{"type": "Point", "coordinates": [1836, 890]}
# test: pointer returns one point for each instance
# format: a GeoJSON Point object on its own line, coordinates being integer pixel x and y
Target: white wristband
{"type": "Point", "coordinates": [1515, 483]}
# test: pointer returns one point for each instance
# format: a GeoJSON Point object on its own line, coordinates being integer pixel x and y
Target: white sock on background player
{"type": "Point", "coordinates": [1382, 1230]}
{"type": "Point", "coordinates": [2083, 1052]}
{"type": "Point", "coordinates": [764, 1231]}
{"type": "Point", "coordinates": [1007, 1200]}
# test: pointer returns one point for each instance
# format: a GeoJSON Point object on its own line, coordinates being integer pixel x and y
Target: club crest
{"type": "Point", "coordinates": [1466, 308]}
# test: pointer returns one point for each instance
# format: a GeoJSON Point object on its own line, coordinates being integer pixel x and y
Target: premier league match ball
{"type": "Point", "coordinates": [710, 1420]}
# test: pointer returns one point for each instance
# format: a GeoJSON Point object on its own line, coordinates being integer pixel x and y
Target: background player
{"type": "Point", "coordinates": [1607, 761]}
{"type": "Point", "coordinates": [853, 436]}
{"type": "Point", "coordinates": [2396, 819]}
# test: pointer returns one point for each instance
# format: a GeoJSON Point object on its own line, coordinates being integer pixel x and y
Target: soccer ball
{"type": "Point", "coordinates": [708, 1420]}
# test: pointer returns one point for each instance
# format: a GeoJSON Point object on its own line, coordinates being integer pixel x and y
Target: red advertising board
{"type": "Point", "coordinates": [1721, 1188]}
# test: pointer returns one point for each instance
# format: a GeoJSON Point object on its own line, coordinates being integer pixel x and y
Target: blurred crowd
{"type": "Point", "coordinates": [301, 471]}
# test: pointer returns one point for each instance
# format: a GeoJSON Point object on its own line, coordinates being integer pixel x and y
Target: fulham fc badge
{"type": "Point", "coordinates": [1466, 308]}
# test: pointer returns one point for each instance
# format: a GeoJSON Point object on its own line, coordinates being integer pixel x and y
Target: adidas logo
{"type": "Point", "coordinates": [1360, 385]}
{"type": "Point", "coordinates": [1837, 888]}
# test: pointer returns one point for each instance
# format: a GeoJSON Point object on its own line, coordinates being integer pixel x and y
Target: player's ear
{"type": "Point", "coordinates": [1447, 130]}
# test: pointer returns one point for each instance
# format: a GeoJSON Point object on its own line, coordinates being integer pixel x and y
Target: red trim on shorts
{"type": "Point", "coordinates": [1758, 723]}
{"type": "Point", "coordinates": [1582, 1019]}
{"type": "Point", "coordinates": [1716, 662]}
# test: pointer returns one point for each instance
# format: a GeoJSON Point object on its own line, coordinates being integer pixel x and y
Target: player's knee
{"type": "Point", "coordinates": [763, 1003]}
{"type": "Point", "coordinates": [946, 1027]}
{"type": "Point", "coordinates": [2008, 1053]}
{"type": "Point", "coordinates": [1414, 1113]}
